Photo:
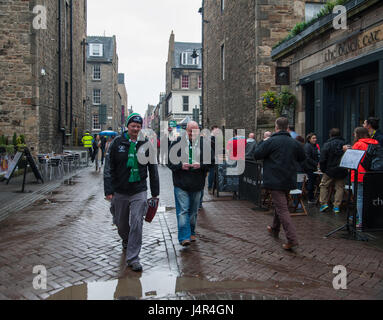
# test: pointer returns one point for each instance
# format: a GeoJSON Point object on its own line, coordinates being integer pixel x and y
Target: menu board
{"type": "Point", "coordinates": [12, 166]}
{"type": "Point", "coordinates": [351, 159]}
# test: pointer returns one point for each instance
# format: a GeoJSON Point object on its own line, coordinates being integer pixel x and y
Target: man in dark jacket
{"type": "Point", "coordinates": [281, 154]}
{"type": "Point", "coordinates": [126, 187]}
{"type": "Point", "coordinates": [189, 176]}
{"type": "Point", "coordinates": [372, 125]}
{"type": "Point", "coordinates": [331, 155]}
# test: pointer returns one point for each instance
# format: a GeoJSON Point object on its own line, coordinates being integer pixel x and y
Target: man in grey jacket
{"type": "Point", "coordinates": [126, 187]}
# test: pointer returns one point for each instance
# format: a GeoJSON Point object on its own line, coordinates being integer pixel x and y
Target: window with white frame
{"type": "Point", "coordinates": [184, 58]}
{"type": "Point", "coordinates": [199, 82]}
{"type": "Point", "coordinates": [312, 9]}
{"type": "Point", "coordinates": [185, 82]}
{"type": "Point", "coordinates": [96, 96]}
{"type": "Point", "coordinates": [96, 122]}
{"type": "Point", "coordinates": [195, 61]}
{"type": "Point", "coordinates": [96, 50]}
{"type": "Point", "coordinates": [97, 72]}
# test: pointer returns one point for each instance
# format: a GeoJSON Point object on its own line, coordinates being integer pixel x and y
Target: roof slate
{"type": "Point", "coordinates": [108, 48]}
{"type": "Point", "coordinates": [188, 47]}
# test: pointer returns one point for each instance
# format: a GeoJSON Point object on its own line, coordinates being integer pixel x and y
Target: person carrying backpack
{"type": "Point", "coordinates": [331, 155]}
{"type": "Point", "coordinates": [361, 142]}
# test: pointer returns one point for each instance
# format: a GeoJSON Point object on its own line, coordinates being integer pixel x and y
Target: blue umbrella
{"type": "Point", "coordinates": [108, 133]}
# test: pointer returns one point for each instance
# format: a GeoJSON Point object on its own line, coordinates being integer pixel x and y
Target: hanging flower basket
{"type": "Point", "coordinates": [269, 99]}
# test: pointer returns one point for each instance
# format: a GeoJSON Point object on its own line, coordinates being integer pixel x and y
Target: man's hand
{"type": "Point", "coordinates": [186, 166]}
{"type": "Point", "coordinates": [196, 166]}
{"type": "Point", "coordinates": [109, 197]}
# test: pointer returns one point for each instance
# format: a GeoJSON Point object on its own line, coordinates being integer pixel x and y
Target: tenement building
{"type": "Point", "coordinates": [337, 73]}
{"type": "Point", "coordinates": [42, 72]}
{"type": "Point", "coordinates": [238, 37]}
{"type": "Point", "coordinates": [124, 98]}
{"type": "Point", "coordinates": [104, 104]}
{"type": "Point", "coordinates": [183, 81]}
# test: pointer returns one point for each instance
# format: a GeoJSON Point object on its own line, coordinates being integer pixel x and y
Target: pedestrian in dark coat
{"type": "Point", "coordinates": [280, 155]}
{"type": "Point", "coordinates": [126, 187]}
{"type": "Point", "coordinates": [372, 125]}
{"type": "Point", "coordinates": [330, 157]}
{"type": "Point", "coordinates": [311, 164]}
{"type": "Point", "coordinates": [189, 177]}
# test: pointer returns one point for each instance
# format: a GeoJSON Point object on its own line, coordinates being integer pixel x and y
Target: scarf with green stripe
{"type": "Point", "coordinates": [133, 161]}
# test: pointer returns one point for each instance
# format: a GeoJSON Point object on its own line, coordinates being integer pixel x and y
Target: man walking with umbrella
{"type": "Point", "coordinates": [126, 187]}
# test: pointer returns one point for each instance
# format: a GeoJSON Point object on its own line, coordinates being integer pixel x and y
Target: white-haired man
{"type": "Point", "coordinates": [189, 181]}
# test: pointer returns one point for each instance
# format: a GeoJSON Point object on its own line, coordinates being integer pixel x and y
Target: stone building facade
{"type": "Point", "coordinates": [124, 98]}
{"type": "Point", "coordinates": [337, 74]}
{"type": "Point", "coordinates": [238, 36]}
{"type": "Point", "coordinates": [183, 81]}
{"type": "Point", "coordinates": [102, 86]}
{"type": "Point", "coordinates": [42, 78]}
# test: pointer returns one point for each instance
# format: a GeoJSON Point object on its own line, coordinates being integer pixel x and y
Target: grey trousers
{"type": "Point", "coordinates": [128, 215]}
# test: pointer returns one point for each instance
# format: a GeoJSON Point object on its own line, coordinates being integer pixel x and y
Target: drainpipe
{"type": "Point", "coordinates": [257, 44]}
{"type": "Point", "coordinates": [203, 64]}
{"type": "Point", "coordinates": [71, 67]}
{"type": "Point", "coordinates": [60, 128]}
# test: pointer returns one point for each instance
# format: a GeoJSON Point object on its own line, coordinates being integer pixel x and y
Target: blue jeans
{"type": "Point", "coordinates": [211, 177]}
{"type": "Point", "coordinates": [359, 199]}
{"type": "Point", "coordinates": [187, 204]}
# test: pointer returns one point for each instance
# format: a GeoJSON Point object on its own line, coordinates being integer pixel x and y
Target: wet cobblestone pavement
{"type": "Point", "coordinates": [70, 232]}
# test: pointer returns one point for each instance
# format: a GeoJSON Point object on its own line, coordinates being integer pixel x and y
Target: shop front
{"type": "Point", "coordinates": [337, 74]}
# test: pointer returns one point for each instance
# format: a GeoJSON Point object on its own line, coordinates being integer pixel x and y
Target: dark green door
{"type": "Point", "coordinates": [359, 102]}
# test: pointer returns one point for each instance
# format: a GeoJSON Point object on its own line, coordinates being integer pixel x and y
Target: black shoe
{"type": "Point", "coordinates": [136, 266]}
{"type": "Point", "coordinates": [273, 232]}
{"type": "Point", "coordinates": [186, 243]}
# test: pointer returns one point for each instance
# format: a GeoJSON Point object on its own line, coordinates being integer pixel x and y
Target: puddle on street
{"type": "Point", "coordinates": [156, 284]}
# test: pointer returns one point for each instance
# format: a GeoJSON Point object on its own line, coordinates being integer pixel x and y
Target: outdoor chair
{"type": "Point", "coordinates": [43, 164]}
{"type": "Point", "coordinates": [68, 162]}
{"type": "Point", "coordinates": [76, 160]}
{"type": "Point", "coordinates": [298, 195]}
{"type": "Point", "coordinates": [56, 168]}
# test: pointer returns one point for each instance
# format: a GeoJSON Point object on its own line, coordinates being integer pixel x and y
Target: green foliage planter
{"type": "Point", "coordinates": [301, 26]}
{"type": "Point", "coordinates": [286, 102]}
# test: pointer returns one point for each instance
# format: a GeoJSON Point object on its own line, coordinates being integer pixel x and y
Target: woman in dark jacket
{"type": "Point", "coordinates": [311, 164]}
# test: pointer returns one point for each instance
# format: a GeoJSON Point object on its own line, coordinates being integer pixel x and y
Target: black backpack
{"type": "Point", "coordinates": [373, 160]}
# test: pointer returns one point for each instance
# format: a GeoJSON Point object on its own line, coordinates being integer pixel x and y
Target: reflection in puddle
{"type": "Point", "coordinates": [159, 284]}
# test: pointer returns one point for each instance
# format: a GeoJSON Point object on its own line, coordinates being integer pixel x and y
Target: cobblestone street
{"type": "Point", "coordinates": [70, 232]}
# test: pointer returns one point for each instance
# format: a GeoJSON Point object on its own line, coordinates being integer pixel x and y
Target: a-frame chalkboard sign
{"type": "Point", "coordinates": [30, 161]}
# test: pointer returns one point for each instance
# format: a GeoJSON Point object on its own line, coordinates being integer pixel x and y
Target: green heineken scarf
{"type": "Point", "coordinates": [132, 161]}
{"type": "Point", "coordinates": [190, 153]}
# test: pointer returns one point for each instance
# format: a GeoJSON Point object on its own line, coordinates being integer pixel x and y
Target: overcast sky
{"type": "Point", "coordinates": [143, 29]}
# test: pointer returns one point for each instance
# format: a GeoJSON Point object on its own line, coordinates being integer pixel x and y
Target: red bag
{"type": "Point", "coordinates": [152, 209]}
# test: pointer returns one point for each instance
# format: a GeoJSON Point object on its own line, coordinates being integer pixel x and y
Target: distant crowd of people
{"type": "Point", "coordinates": [284, 154]}
{"type": "Point", "coordinates": [97, 146]}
